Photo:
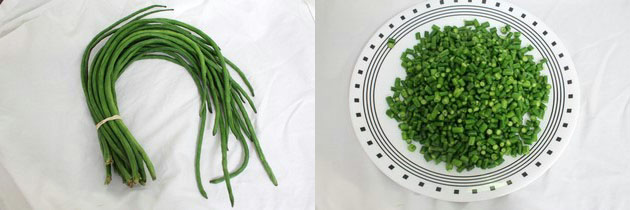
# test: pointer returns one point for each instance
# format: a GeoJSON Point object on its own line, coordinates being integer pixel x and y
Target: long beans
{"type": "Point", "coordinates": [143, 38]}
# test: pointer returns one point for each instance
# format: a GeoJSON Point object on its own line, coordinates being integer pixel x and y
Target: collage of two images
{"type": "Point", "coordinates": [304, 104]}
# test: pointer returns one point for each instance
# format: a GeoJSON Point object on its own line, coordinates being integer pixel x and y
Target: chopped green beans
{"type": "Point", "coordinates": [470, 96]}
{"type": "Point", "coordinates": [158, 38]}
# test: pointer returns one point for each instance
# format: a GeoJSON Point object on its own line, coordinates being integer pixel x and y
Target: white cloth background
{"type": "Point", "coordinates": [49, 152]}
{"type": "Point", "coordinates": [593, 171]}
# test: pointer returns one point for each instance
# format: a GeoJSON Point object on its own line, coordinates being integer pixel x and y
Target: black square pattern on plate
{"type": "Point", "coordinates": [474, 191]}
{"type": "Point", "coordinates": [483, 1]}
{"type": "Point", "coordinates": [365, 59]}
{"type": "Point", "coordinates": [538, 164]}
{"type": "Point", "coordinates": [455, 1]}
{"type": "Point", "coordinates": [356, 100]}
{"type": "Point", "coordinates": [357, 85]}
{"type": "Point", "coordinates": [428, 5]}
{"type": "Point", "coordinates": [569, 82]}
{"type": "Point", "coordinates": [469, 0]}
{"type": "Point", "coordinates": [497, 4]}
{"type": "Point", "coordinates": [509, 182]}
{"type": "Point", "coordinates": [524, 174]}
{"type": "Point", "coordinates": [379, 155]}
{"type": "Point", "coordinates": [558, 139]}
{"type": "Point", "coordinates": [535, 23]}
{"type": "Point", "coordinates": [360, 71]}
{"type": "Point", "coordinates": [455, 191]}
{"type": "Point", "coordinates": [415, 11]}
{"type": "Point", "coordinates": [391, 25]}
{"type": "Point", "coordinates": [569, 110]}
{"type": "Point", "coordinates": [544, 32]}
{"type": "Point", "coordinates": [565, 125]}
{"type": "Point", "coordinates": [566, 68]}
{"type": "Point", "coordinates": [380, 35]}
{"type": "Point", "coordinates": [549, 152]}
{"type": "Point", "coordinates": [402, 17]}
{"type": "Point", "coordinates": [362, 129]}
{"type": "Point", "coordinates": [370, 142]}
{"type": "Point", "coordinates": [372, 46]}
{"type": "Point", "coordinates": [523, 15]}
{"type": "Point", "coordinates": [421, 184]}
{"type": "Point", "coordinates": [511, 9]}
{"type": "Point", "coordinates": [405, 176]}
{"type": "Point", "coordinates": [553, 43]}
{"type": "Point", "coordinates": [438, 189]}
{"type": "Point", "coordinates": [561, 55]}
{"type": "Point", "coordinates": [441, 1]}
{"type": "Point", "coordinates": [358, 114]}
{"type": "Point", "coordinates": [570, 95]}
{"type": "Point", "coordinates": [492, 188]}
{"type": "Point", "coordinates": [391, 167]}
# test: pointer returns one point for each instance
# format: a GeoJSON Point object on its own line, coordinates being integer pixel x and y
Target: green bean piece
{"type": "Point", "coordinates": [391, 42]}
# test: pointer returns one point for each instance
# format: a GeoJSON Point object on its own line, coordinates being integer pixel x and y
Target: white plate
{"type": "Point", "coordinates": [378, 66]}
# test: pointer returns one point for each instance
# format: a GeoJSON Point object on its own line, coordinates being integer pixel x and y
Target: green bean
{"type": "Point", "coordinates": [136, 37]}
{"type": "Point", "coordinates": [391, 42]}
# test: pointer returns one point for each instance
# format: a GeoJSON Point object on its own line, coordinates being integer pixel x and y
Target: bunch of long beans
{"type": "Point", "coordinates": [158, 38]}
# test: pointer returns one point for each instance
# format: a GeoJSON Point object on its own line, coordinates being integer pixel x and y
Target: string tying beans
{"type": "Point", "coordinates": [158, 38]}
